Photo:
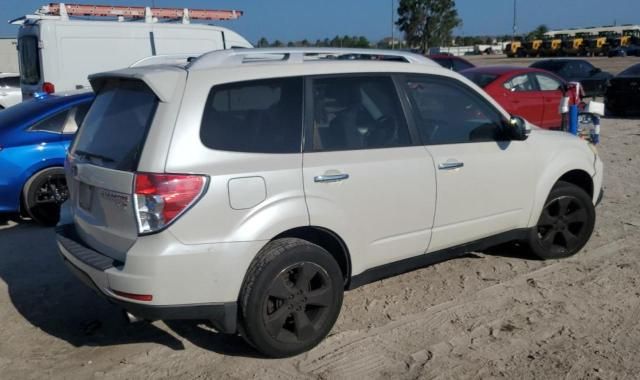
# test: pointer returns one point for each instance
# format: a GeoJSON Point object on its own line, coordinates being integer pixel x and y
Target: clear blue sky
{"type": "Point", "coordinates": [312, 19]}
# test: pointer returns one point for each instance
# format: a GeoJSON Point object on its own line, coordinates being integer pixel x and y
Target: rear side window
{"type": "Point", "coordinates": [361, 112]}
{"type": "Point", "coordinates": [53, 124]}
{"type": "Point", "coordinates": [262, 116]}
{"type": "Point", "coordinates": [115, 128]}
{"type": "Point", "coordinates": [29, 60]}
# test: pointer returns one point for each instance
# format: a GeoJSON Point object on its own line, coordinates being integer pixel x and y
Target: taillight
{"type": "Point", "coordinates": [161, 198]}
{"type": "Point", "coordinates": [48, 88]}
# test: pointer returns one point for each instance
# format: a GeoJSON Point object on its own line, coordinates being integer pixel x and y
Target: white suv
{"type": "Point", "coordinates": [252, 187]}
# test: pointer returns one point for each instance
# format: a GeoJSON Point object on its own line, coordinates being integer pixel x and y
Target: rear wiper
{"type": "Point", "coordinates": [94, 155]}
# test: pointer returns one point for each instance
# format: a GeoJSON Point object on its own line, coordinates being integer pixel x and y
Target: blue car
{"type": "Point", "coordinates": [34, 137]}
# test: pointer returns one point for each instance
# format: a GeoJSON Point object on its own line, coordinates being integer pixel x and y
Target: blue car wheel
{"type": "Point", "coordinates": [44, 193]}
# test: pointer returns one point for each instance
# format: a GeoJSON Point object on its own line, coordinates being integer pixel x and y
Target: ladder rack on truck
{"type": "Point", "coordinates": [147, 13]}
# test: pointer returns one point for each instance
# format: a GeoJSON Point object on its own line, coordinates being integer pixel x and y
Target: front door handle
{"type": "Point", "coordinates": [331, 177]}
{"type": "Point", "coordinates": [450, 165]}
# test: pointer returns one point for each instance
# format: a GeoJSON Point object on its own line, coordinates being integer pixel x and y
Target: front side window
{"type": "Point", "coordinates": [262, 116]}
{"type": "Point", "coordinates": [519, 83]}
{"type": "Point", "coordinates": [546, 83]}
{"type": "Point", "coordinates": [361, 112]}
{"type": "Point", "coordinates": [446, 112]}
{"type": "Point", "coordinates": [29, 58]}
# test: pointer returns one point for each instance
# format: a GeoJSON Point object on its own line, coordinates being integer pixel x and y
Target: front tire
{"type": "Point", "coordinates": [291, 297]}
{"type": "Point", "coordinates": [43, 194]}
{"type": "Point", "coordinates": [566, 223]}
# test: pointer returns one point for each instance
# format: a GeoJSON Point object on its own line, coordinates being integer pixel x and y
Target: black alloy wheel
{"type": "Point", "coordinates": [291, 297]}
{"type": "Point", "coordinates": [297, 303]}
{"type": "Point", "coordinates": [566, 223]}
{"type": "Point", "coordinates": [562, 225]}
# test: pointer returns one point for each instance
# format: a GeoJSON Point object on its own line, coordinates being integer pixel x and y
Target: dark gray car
{"type": "Point", "coordinates": [593, 80]}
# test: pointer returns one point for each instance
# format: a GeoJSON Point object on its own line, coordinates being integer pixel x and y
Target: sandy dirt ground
{"type": "Point", "coordinates": [496, 314]}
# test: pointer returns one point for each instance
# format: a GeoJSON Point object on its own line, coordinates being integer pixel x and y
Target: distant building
{"type": "Point", "coordinates": [595, 30]}
{"type": "Point", "coordinates": [8, 55]}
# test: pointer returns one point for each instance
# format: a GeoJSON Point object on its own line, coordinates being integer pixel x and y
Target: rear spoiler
{"type": "Point", "coordinates": [166, 59]}
{"type": "Point", "coordinates": [163, 81]}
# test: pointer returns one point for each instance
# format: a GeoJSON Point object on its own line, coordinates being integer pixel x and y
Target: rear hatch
{"type": "Point", "coordinates": [30, 60]}
{"type": "Point", "coordinates": [102, 164]}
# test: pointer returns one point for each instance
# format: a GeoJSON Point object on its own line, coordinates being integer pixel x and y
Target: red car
{"type": "Point", "coordinates": [531, 93]}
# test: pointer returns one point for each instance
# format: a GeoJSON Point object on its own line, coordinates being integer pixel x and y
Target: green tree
{"type": "Point", "coordinates": [538, 33]}
{"type": "Point", "coordinates": [263, 42]}
{"type": "Point", "coordinates": [427, 22]}
{"type": "Point", "coordinates": [277, 43]}
{"type": "Point", "coordinates": [362, 42]}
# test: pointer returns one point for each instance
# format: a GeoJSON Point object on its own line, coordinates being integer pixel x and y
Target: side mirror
{"type": "Point", "coordinates": [596, 70]}
{"type": "Point", "coordinates": [518, 128]}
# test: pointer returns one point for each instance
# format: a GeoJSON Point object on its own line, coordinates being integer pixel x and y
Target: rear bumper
{"type": "Point", "coordinates": [97, 270]}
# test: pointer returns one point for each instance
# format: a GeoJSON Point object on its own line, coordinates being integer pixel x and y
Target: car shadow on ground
{"type": "Point", "coordinates": [511, 250]}
{"type": "Point", "coordinates": [50, 298]}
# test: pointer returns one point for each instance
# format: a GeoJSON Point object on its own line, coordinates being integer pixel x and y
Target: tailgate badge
{"type": "Point", "coordinates": [119, 199]}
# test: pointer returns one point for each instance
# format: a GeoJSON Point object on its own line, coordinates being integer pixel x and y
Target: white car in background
{"type": "Point", "coordinates": [10, 93]}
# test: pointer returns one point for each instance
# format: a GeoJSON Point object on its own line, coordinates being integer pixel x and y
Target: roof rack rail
{"type": "Point", "coordinates": [135, 12]}
{"type": "Point", "coordinates": [235, 57]}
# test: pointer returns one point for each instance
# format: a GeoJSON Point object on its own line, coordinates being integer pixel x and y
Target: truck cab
{"type": "Point", "coordinates": [58, 52]}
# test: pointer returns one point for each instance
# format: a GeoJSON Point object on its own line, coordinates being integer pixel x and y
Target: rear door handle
{"type": "Point", "coordinates": [331, 177]}
{"type": "Point", "coordinates": [450, 165]}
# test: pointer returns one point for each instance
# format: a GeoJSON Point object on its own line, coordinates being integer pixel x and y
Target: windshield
{"type": "Point", "coordinates": [115, 128]}
{"type": "Point", "coordinates": [29, 58]}
{"type": "Point", "coordinates": [481, 79]}
{"type": "Point", "coordinates": [631, 71]}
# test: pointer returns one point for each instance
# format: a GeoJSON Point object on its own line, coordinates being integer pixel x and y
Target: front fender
{"type": "Point", "coordinates": [554, 167]}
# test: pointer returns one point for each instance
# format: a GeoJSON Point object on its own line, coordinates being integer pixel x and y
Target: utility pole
{"type": "Point", "coordinates": [515, 19]}
{"type": "Point", "coordinates": [393, 28]}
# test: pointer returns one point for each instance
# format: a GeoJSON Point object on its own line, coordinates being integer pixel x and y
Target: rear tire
{"type": "Point", "coordinates": [43, 194]}
{"type": "Point", "coordinates": [291, 297]}
{"type": "Point", "coordinates": [566, 223]}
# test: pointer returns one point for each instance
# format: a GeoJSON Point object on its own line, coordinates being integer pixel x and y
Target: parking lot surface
{"type": "Point", "coordinates": [499, 313]}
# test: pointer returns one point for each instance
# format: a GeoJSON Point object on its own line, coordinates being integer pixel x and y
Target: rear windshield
{"type": "Point", "coordinates": [29, 60]}
{"type": "Point", "coordinates": [115, 128]}
{"type": "Point", "coordinates": [481, 79]}
{"type": "Point", "coordinates": [631, 71]}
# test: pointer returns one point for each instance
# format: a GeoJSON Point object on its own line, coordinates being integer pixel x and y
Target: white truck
{"type": "Point", "coordinates": [60, 45]}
